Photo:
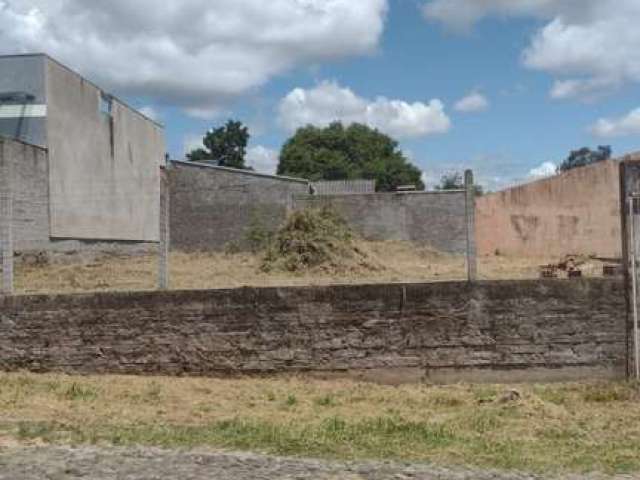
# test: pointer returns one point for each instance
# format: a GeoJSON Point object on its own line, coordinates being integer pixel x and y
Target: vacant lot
{"type": "Point", "coordinates": [537, 428]}
{"type": "Point", "coordinates": [389, 262]}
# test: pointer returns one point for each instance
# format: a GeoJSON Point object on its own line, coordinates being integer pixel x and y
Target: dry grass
{"type": "Point", "coordinates": [558, 428]}
{"type": "Point", "coordinates": [395, 261]}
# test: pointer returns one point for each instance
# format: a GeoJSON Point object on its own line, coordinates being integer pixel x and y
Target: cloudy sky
{"type": "Point", "coordinates": [501, 86]}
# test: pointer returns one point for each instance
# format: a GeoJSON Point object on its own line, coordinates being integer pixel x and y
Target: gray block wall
{"type": "Point", "coordinates": [436, 219]}
{"type": "Point", "coordinates": [212, 207]}
{"type": "Point", "coordinates": [440, 332]}
{"type": "Point", "coordinates": [29, 187]}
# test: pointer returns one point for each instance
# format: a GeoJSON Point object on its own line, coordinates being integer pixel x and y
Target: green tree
{"type": "Point", "coordinates": [455, 181]}
{"type": "Point", "coordinates": [225, 146]}
{"type": "Point", "coordinates": [585, 156]}
{"type": "Point", "coordinates": [337, 152]}
{"type": "Point", "coordinates": [451, 181]}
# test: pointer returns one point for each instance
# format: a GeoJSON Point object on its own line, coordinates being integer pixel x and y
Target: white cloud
{"type": "Point", "coordinates": [628, 124]}
{"type": "Point", "coordinates": [586, 89]}
{"type": "Point", "coordinates": [195, 54]}
{"type": "Point", "coordinates": [205, 113]}
{"type": "Point", "coordinates": [474, 102]}
{"type": "Point", "coordinates": [592, 46]}
{"type": "Point", "coordinates": [425, 179]}
{"type": "Point", "coordinates": [462, 14]}
{"type": "Point", "coordinates": [329, 102]}
{"type": "Point", "coordinates": [262, 159]}
{"type": "Point", "coordinates": [547, 169]}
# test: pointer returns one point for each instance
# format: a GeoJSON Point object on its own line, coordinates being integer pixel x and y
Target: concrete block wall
{"type": "Point", "coordinates": [436, 219]}
{"type": "Point", "coordinates": [577, 212]}
{"type": "Point", "coordinates": [441, 332]}
{"type": "Point", "coordinates": [29, 187]}
{"type": "Point", "coordinates": [212, 207]}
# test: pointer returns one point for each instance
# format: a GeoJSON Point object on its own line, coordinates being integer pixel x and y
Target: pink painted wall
{"type": "Point", "coordinates": [577, 212]}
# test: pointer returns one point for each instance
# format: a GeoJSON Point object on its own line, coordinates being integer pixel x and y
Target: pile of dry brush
{"type": "Point", "coordinates": [317, 239]}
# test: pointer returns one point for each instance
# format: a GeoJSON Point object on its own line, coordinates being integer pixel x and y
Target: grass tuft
{"type": "Point", "coordinates": [326, 401]}
{"type": "Point", "coordinates": [606, 393]}
{"type": "Point", "coordinates": [79, 392]}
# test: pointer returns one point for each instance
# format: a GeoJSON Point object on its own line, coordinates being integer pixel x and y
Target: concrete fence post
{"type": "Point", "coordinates": [164, 245]}
{"type": "Point", "coordinates": [6, 221]}
{"type": "Point", "coordinates": [290, 202]}
{"type": "Point", "coordinates": [472, 260]}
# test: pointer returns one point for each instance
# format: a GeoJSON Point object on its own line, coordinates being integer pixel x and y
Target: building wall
{"type": "Point", "coordinates": [25, 122]}
{"type": "Point", "coordinates": [211, 207]}
{"type": "Point", "coordinates": [29, 187]}
{"type": "Point", "coordinates": [577, 212]}
{"type": "Point", "coordinates": [440, 332]}
{"type": "Point", "coordinates": [104, 171]}
{"type": "Point", "coordinates": [436, 219]}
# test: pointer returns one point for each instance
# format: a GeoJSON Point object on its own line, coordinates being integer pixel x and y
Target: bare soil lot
{"type": "Point", "coordinates": [389, 262]}
{"type": "Point", "coordinates": [547, 429]}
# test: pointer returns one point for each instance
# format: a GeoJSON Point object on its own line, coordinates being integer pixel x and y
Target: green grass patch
{"type": "Point", "coordinates": [392, 438]}
{"type": "Point", "coordinates": [336, 437]}
{"type": "Point", "coordinates": [78, 392]}
{"type": "Point", "coordinates": [563, 428]}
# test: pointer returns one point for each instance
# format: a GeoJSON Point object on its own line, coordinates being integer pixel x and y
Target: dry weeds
{"type": "Point", "coordinates": [397, 261]}
{"type": "Point", "coordinates": [568, 427]}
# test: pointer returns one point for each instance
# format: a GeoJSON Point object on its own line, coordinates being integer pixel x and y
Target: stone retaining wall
{"type": "Point", "coordinates": [441, 332]}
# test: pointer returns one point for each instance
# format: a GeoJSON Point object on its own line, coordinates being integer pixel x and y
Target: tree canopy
{"type": "Point", "coordinates": [225, 146]}
{"type": "Point", "coordinates": [455, 181]}
{"type": "Point", "coordinates": [337, 152]}
{"type": "Point", "coordinates": [451, 181]}
{"type": "Point", "coordinates": [585, 156]}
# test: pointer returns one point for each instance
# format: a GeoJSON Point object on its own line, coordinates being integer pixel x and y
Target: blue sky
{"type": "Point", "coordinates": [540, 77]}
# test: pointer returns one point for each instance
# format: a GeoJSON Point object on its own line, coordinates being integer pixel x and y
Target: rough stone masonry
{"type": "Point", "coordinates": [440, 332]}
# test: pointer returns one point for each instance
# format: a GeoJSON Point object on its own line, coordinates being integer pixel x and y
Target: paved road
{"type": "Point", "coordinates": [62, 463]}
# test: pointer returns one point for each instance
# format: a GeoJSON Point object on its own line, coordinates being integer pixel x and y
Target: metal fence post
{"type": "Point", "coordinates": [472, 260]}
{"type": "Point", "coordinates": [163, 247]}
{"type": "Point", "coordinates": [6, 222]}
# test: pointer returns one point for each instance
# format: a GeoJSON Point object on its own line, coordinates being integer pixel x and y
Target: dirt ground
{"type": "Point", "coordinates": [394, 262]}
{"type": "Point", "coordinates": [61, 463]}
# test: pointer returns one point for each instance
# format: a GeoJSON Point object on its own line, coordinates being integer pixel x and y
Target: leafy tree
{"type": "Point", "coordinates": [225, 146]}
{"type": "Point", "coordinates": [337, 152]}
{"type": "Point", "coordinates": [585, 156]}
{"type": "Point", "coordinates": [455, 181]}
{"type": "Point", "coordinates": [451, 181]}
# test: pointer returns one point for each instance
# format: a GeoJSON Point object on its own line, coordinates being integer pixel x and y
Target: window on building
{"type": "Point", "coordinates": [106, 104]}
{"type": "Point", "coordinates": [106, 109]}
